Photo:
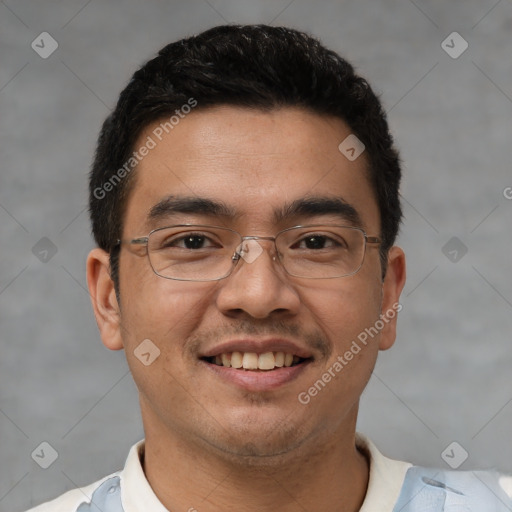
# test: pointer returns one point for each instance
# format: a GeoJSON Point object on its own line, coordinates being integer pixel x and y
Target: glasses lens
{"type": "Point", "coordinates": [318, 252]}
{"type": "Point", "coordinates": [192, 253]}
{"type": "Point", "coordinates": [204, 253]}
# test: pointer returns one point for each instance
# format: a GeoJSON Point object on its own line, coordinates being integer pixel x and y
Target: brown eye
{"type": "Point", "coordinates": [191, 241]}
{"type": "Point", "coordinates": [317, 242]}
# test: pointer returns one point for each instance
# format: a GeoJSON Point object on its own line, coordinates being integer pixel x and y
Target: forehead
{"type": "Point", "coordinates": [255, 163]}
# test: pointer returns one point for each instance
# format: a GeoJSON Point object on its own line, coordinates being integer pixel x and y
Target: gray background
{"type": "Point", "coordinates": [447, 379]}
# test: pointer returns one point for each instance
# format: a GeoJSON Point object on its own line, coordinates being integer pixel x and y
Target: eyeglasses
{"type": "Point", "coordinates": [209, 253]}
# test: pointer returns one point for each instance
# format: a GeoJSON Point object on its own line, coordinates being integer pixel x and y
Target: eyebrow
{"type": "Point", "coordinates": [317, 206]}
{"type": "Point", "coordinates": [303, 207]}
{"type": "Point", "coordinates": [195, 205]}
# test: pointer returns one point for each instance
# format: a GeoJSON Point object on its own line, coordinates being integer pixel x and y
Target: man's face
{"type": "Point", "coordinates": [255, 164]}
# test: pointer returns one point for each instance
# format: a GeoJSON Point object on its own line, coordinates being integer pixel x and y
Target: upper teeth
{"type": "Point", "coordinates": [253, 361]}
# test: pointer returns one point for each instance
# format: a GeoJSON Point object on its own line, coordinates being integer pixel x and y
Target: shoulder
{"type": "Point", "coordinates": [106, 495]}
{"type": "Point", "coordinates": [467, 490]}
{"type": "Point", "coordinates": [399, 486]}
{"type": "Point", "coordinates": [105, 491]}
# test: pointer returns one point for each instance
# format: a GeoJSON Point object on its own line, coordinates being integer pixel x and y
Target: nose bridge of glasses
{"type": "Point", "coordinates": [254, 237]}
{"type": "Point", "coordinates": [251, 249]}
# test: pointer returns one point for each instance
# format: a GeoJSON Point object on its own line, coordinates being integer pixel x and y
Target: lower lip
{"type": "Point", "coordinates": [261, 380]}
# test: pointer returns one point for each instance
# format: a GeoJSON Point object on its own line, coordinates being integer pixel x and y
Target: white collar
{"type": "Point", "coordinates": [136, 493]}
{"type": "Point", "coordinates": [386, 478]}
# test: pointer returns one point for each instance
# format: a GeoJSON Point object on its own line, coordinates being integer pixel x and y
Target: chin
{"type": "Point", "coordinates": [256, 445]}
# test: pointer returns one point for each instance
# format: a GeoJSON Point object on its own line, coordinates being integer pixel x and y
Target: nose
{"type": "Point", "coordinates": [258, 286]}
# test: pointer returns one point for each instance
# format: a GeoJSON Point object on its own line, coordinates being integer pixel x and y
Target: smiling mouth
{"type": "Point", "coordinates": [252, 361]}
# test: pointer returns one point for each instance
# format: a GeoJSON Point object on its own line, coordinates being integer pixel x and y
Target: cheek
{"type": "Point", "coordinates": [343, 309]}
{"type": "Point", "coordinates": [345, 313]}
{"type": "Point", "coordinates": [158, 316]}
{"type": "Point", "coordinates": [163, 311]}
{"type": "Point", "coordinates": [152, 305]}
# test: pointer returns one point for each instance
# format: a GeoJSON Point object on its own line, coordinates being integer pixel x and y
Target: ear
{"type": "Point", "coordinates": [391, 289]}
{"type": "Point", "coordinates": [104, 300]}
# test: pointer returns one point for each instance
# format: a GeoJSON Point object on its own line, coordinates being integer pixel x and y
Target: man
{"type": "Point", "coordinates": [244, 199]}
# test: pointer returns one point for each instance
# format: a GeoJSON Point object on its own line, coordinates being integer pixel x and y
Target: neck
{"type": "Point", "coordinates": [188, 475]}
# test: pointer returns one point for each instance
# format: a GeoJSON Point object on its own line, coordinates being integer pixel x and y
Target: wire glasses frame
{"type": "Point", "coordinates": [171, 258]}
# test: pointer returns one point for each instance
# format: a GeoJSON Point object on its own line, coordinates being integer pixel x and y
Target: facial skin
{"type": "Point", "coordinates": [211, 443]}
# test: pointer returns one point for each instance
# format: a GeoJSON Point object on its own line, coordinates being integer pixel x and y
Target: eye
{"type": "Point", "coordinates": [316, 242]}
{"type": "Point", "coordinates": [191, 241]}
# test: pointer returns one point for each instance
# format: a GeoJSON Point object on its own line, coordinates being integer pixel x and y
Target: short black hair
{"type": "Point", "coordinates": [252, 66]}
